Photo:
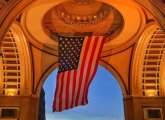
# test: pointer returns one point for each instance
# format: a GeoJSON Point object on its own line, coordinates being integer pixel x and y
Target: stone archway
{"type": "Point", "coordinates": [105, 89]}
{"type": "Point", "coordinates": [112, 58]}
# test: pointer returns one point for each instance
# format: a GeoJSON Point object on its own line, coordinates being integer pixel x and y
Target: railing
{"type": "Point", "coordinates": [152, 64]}
{"type": "Point", "coordinates": [11, 68]}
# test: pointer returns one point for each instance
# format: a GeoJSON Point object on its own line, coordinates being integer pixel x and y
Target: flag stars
{"type": "Point", "coordinates": [69, 52]}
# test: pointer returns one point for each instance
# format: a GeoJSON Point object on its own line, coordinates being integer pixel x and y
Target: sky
{"type": "Point", "coordinates": [105, 99]}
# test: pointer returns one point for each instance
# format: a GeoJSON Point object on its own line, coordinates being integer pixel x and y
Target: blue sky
{"type": "Point", "coordinates": [105, 99]}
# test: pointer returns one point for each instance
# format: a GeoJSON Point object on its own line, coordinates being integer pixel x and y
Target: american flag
{"type": "Point", "coordinates": [78, 62]}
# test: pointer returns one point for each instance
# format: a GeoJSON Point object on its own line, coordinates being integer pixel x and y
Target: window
{"type": "Point", "coordinates": [153, 113]}
{"type": "Point", "coordinates": [9, 113]}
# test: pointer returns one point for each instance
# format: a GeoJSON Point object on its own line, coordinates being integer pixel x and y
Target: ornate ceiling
{"type": "Point", "coordinates": [85, 17]}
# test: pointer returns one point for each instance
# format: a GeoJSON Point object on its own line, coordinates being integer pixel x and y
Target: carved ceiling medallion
{"type": "Point", "coordinates": [96, 18]}
{"type": "Point", "coordinates": [74, 14]}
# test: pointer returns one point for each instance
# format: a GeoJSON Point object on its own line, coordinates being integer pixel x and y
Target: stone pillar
{"type": "Point", "coordinates": [137, 108]}
{"type": "Point", "coordinates": [26, 105]}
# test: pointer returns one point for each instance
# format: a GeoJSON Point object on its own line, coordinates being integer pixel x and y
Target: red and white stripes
{"type": "Point", "coordinates": [72, 85]}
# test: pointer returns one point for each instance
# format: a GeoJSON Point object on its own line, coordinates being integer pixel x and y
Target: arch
{"type": "Point", "coordinates": [15, 68]}
{"type": "Point", "coordinates": [9, 12]}
{"type": "Point", "coordinates": [23, 47]}
{"type": "Point", "coordinates": [19, 6]}
{"type": "Point", "coordinates": [147, 77]}
{"type": "Point", "coordinates": [100, 96]}
{"type": "Point", "coordinates": [44, 76]}
{"type": "Point", "coordinates": [116, 75]}
{"type": "Point", "coordinates": [116, 46]}
{"type": "Point", "coordinates": [156, 8]}
{"type": "Point", "coordinates": [15, 7]}
{"type": "Point", "coordinates": [102, 63]}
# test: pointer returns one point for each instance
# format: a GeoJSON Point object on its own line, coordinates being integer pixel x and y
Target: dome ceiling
{"type": "Point", "coordinates": [81, 17]}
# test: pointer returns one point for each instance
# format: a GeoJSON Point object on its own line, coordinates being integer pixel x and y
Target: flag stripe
{"type": "Point", "coordinates": [92, 67]}
{"type": "Point", "coordinates": [55, 97]}
{"type": "Point", "coordinates": [87, 61]}
{"type": "Point", "coordinates": [89, 70]}
{"type": "Point", "coordinates": [74, 87]}
{"type": "Point", "coordinates": [64, 90]}
{"type": "Point", "coordinates": [60, 93]}
{"type": "Point", "coordinates": [73, 84]}
{"type": "Point", "coordinates": [71, 88]}
{"type": "Point", "coordinates": [67, 90]}
{"type": "Point", "coordinates": [79, 68]}
{"type": "Point", "coordinates": [95, 67]}
{"type": "Point", "coordinates": [58, 86]}
{"type": "Point", "coordinates": [88, 39]}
